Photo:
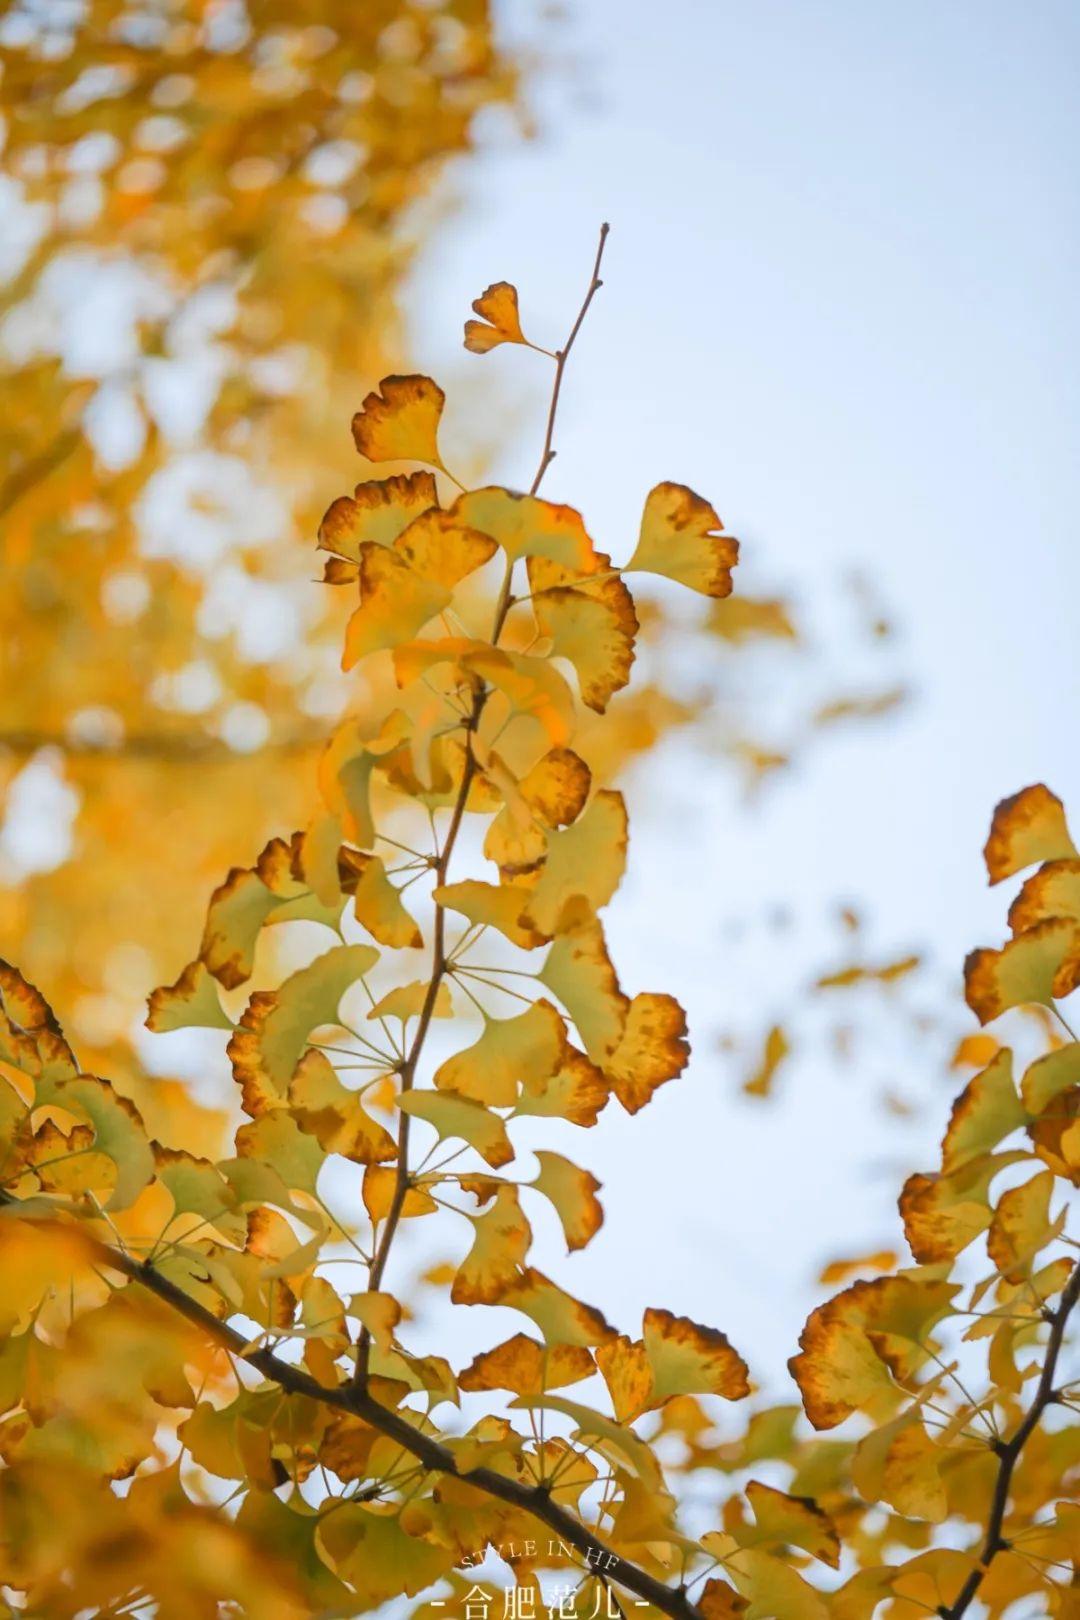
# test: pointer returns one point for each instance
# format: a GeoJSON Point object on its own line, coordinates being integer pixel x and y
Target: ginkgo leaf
{"type": "Point", "coordinates": [380, 1313]}
{"type": "Point", "coordinates": [652, 1049]}
{"type": "Point", "coordinates": [453, 1116]}
{"type": "Point", "coordinates": [579, 972]}
{"type": "Point", "coordinates": [790, 1521]}
{"type": "Point", "coordinates": [1052, 891]}
{"type": "Point", "coordinates": [681, 538]}
{"type": "Point", "coordinates": [1050, 1076]}
{"type": "Point", "coordinates": [573, 1193]}
{"type": "Point", "coordinates": [275, 1139]}
{"type": "Point", "coordinates": [560, 1318]}
{"type": "Point", "coordinates": [442, 549]}
{"type": "Point", "coordinates": [584, 863]}
{"type": "Point", "coordinates": [1026, 828]}
{"type": "Point", "coordinates": [378, 1193]}
{"type": "Point", "coordinates": [192, 1002]}
{"type": "Point", "coordinates": [368, 1547]}
{"type": "Point", "coordinates": [531, 686]}
{"type": "Point", "coordinates": [396, 601]}
{"type": "Point", "coordinates": [276, 1025]}
{"type": "Point", "coordinates": [492, 905]}
{"type": "Point", "coordinates": [346, 767]}
{"type": "Point", "coordinates": [378, 511]}
{"type": "Point", "coordinates": [377, 903]}
{"type": "Point", "coordinates": [499, 322]}
{"type": "Point", "coordinates": [839, 1369]}
{"type": "Point", "coordinates": [551, 794]}
{"type": "Point", "coordinates": [900, 1464]}
{"type": "Point", "coordinates": [501, 1241]}
{"type": "Point", "coordinates": [119, 1134]}
{"type": "Point", "coordinates": [334, 1115]}
{"type": "Point", "coordinates": [628, 1374]}
{"type": "Point", "coordinates": [525, 526]}
{"type": "Point", "coordinates": [512, 1052]}
{"type": "Point", "coordinates": [987, 1110]}
{"type": "Point", "coordinates": [408, 1001]}
{"type": "Point", "coordinates": [592, 625]}
{"type": "Point", "coordinates": [527, 1368]}
{"type": "Point", "coordinates": [577, 1092]}
{"type": "Point", "coordinates": [401, 421]}
{"type": "Point", "coordinates": [1021, 1226]}
{"type": "Point", "coordinates": [942, 1214]}
{"type": "Point", "coordinates": [1039, 965]}
{"type": "Point", "coordinates": [772, 1588]}
{"type": "Point", "coordinates": [237, 911]}
{"type": "Point", "coordinates": [688, 1359]}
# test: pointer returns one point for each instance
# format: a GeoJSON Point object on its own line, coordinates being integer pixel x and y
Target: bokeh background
{"type": "Point", "coordinates": [839, 301]}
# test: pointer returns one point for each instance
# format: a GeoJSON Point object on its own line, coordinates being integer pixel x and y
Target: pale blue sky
{"type": "Point", "coordinates": [840, 301]}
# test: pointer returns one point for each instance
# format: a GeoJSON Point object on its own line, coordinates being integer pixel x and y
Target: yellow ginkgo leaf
{"type": "Point", "coordinates": [408, 1001]}
{"type": "Point", "coordinates": [584, 862]}
{"type": "Point", "coordinates": [899, 1463]}
{"type": "Point", "coordinates": [511, 1053]}
{"type": "Point", "coordinates": [1050, 1076]}
{"type": "Point", "coordinates": [592, 625]}
{"type": "Point", "coordinates": [578, 971]}
{"type": "Point", "coordinates": [380, 1183]}
{"type": "Point", "coordinates": [526, 526]}
{"type": "Point", "coordinates": [500, 1243]}
{"type": "Point", "coordinates": [396, 601]}
{"type": "Point", "coordinates": [192, 1002]}
{"type": "Point", "coordinates": [560, 1318]}
{"type": "Point", "coordinates": [527, 1368]}
{"type": "Point", "coordinates": [651, 1050]}
{"type": "Point", "coordinates": [378, 511]}
{"type": "Point", "coordinates": [276, 1025]}
{"type": "Point", "coordinates": [681, 538]}
{"type": "Point", "coordinates": [492, 905]}
{"type": "Point", "coordinates": [499, 322]}
{"type": "Point", "coordinates": [380, 1313]}
{"type": "Point", "coordinates": [1052, 891]}
{"type": "Point", "coordinates": [772, 1588]}
{"type": "Point", "coordinates": [335, 1116]}
{"type": "Point", "coordinates": [578, 1092]}
{"type": "Point", "coordinates": [377, 903]}
{"type": "Point", "coordinates": [1028, 827]}
{"type": "Point", "coordinates": [1021, 1226]}
{"type": "Point", "coordinates": [627, 1373]}
{"type": "Point", "coordinates": [987, 1110]}
{"type": "Point", "coordinates": [789, 1521]}
{"type": "Point", "coordinates": [401, 421]}
{"type": "Point", "coordinates": [572, 1191]}
{"type": "Point", "coordinates": [443, 549]}
{"type": "Point", "coordinates": [453, 1116]}
{"type": "Point", "coordinates": [1036, 967]}
{"type": "Point", "coordinates": [346, 767]}
{"type": "Point", "coordinates": [942, 1214]}
{"type": "Point", "coordinates": [551, 794]}
{"type": "Point", "coordinates": [689, 1359]}
{"type": "Point", "coordinates": [776, 1050]}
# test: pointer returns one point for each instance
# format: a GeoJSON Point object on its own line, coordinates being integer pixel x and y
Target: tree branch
{"type": "Point", "coordinates": [436, 1458]}
{"type": "Point", "coordinates": [1008, 1453]}
{"type": "Point", "coordinates": [439, 962]}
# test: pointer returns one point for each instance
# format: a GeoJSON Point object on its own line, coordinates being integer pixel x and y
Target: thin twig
{"type": "Point", "coordinates": [1008, 1452]}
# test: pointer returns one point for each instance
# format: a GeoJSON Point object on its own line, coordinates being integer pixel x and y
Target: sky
{"type": "Point", "coordinates": [839, 301]}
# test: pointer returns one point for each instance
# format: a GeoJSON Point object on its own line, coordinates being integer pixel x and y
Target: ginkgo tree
{"type": "Point", "coordinates": [214, 1397]}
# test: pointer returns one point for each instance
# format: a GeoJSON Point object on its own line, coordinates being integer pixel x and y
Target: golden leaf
{"type": "Point", "coordinates": [578, 971]}
{"type": "Point", "coordinates": [527, 1368]}
{"type": "Point", "coordinates": [1039, 965]}
{"type": "Point", "coordinates": [192, 1002]}
{"type": "Point", "coordinates": [378, 511]}
{"type": "Point", "coordinates": [500, 1243]}
{"type": "Point", "coordinates": [453, 1116]}
{"type": "Point", "coordinates": [499, 323]}
{"type": "Point", "coordinates": [401, 421]}
{"type": "Point", "coordinates": [572, 1191]}
{"type": "Point", "coordinates": [526, 1050]}
{"type": "Point", "coordinates": [396, 601]}
{"type": "Point", "coordinates": [1026, 828]}
{"type": "Point", "coordinates": [688, 1359]}
{"type": "Point", "coordinates": [335, 1116]}
{"type": "Point", "coordinates": [987, 1110]}
{"type": "Point", "coordinates": [681, 538]}
{"type": "Point", "coordinates": [591, 623]}
{"type": "Point", "coordinates": [651, 1050]}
